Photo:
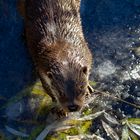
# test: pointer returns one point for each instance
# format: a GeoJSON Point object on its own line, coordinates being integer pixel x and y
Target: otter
{"type": "Point", "coordinates": [59, 51]}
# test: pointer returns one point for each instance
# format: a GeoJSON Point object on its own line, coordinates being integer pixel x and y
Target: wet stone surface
{"type": "Point", "coordinates": [113, 33]}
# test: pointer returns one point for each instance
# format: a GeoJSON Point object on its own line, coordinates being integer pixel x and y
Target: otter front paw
{"type": "Point", "coordinates": [59, 112]}
{"type": "Point", "coordinates": [90, 89]}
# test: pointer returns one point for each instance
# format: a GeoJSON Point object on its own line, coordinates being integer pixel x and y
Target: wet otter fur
{"type": "Point", "coordinates": [59, 51]}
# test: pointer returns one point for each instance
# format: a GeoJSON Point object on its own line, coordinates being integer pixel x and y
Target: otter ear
{"type": "Point", "coordinates": [85, 70]}
{"type": "Point", "coordinates": [50, 75]}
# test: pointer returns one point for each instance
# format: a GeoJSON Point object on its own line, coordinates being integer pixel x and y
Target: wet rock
{"type": "Point", "coordinates": [15, 110]}
{"type": "Point", "coordinates": [105, 69]}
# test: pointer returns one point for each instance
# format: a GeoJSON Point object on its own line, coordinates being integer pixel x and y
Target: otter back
{"type": "Point", "coordinates": [57, 45]}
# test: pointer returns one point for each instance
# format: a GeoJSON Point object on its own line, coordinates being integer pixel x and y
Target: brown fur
{"type": "Point", "coordinates": [58, 48]}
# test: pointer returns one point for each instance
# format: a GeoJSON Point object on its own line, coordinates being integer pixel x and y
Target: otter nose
{"type": "Point", "coordinates": [73, 108]}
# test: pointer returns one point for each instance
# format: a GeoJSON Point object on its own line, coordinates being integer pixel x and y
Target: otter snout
{"type": "Point", "coordinates": [73, 107]}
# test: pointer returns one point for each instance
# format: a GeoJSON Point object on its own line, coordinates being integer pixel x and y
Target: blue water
{"type": "Point", "coordinates": [15, 65]}
{"type": "Point", "coordinates": [112, 29]}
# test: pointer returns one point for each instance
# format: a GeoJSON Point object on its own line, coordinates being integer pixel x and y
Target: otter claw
{"type": "Point", "coordinates": [90, 89]}
{"type": "Point", "coordinates": [62, 113]}
{"type": "Point", "coordinates": [59, 112]}
{"type": "Point", "coordinates": [88, 95]}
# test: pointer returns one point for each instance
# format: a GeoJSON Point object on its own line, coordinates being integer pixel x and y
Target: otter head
{"type": "Point", "coordinates": [69, 85]}
{"type": "Point", "coordinates": [66, 73]}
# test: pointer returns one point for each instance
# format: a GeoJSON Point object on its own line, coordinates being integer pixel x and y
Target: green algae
{"type": "Point", "coordinates": [78, 129]}
{"type": "Point", "coordinates": [2, 136]}
{"type": "Point", "coordinates": [92, 83]}
{"type": "Point", "coordinates": [36, 132]}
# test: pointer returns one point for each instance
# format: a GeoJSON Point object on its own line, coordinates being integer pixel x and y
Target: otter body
{"type": "Point", "coordinates": [59, 51]}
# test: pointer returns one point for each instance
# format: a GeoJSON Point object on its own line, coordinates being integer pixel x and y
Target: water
{"type": "Point", "coordinates": [15, 65]}
{"type": "Point", "coordinates": [112, 30]}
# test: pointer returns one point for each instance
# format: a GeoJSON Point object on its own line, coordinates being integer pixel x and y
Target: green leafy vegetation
{"type": "Point", "coordinates": [73, 126]}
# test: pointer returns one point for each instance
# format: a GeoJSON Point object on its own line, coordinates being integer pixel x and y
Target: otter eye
{"type": "Point", "coordinates": [61, 94]}
{"type": "Point", "coordinates": [85, 69]}
{"type": "Point", "coordinates": [50, 75]}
